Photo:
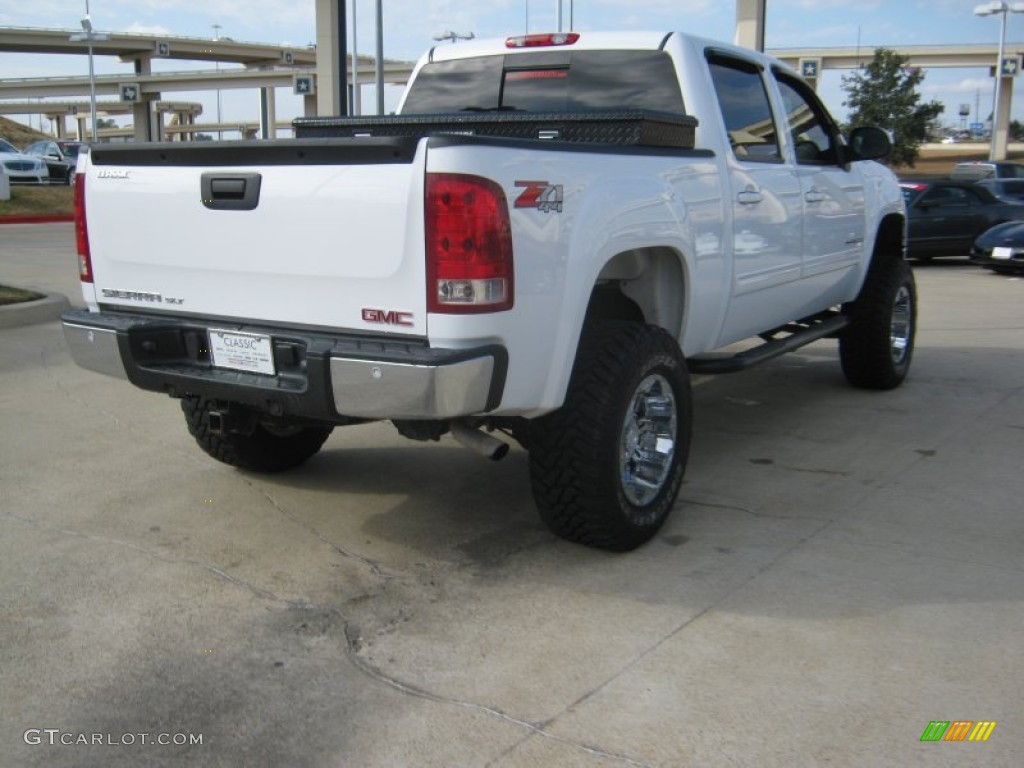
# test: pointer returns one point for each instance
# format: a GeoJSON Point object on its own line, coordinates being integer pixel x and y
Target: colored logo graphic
{"type": "Point", "coordinates": [958, 730]}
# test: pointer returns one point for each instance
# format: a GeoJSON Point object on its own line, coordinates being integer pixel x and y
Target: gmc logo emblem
{"type": "Point", "coordinates": [388, 317]}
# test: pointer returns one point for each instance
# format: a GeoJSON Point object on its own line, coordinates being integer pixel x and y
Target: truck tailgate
{"type": "Point", "coordinates": [287, 232]}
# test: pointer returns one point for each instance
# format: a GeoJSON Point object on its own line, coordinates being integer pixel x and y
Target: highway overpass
{"type": "Point", "coordinates": [268, 67]}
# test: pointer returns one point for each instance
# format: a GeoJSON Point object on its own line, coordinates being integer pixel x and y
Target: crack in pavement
{"type": "Point", "coordinates": [685, 624]}
{"type": "Point", "coordinates": [746, 511]}
{"type": "Point", "coordinates": [51, 371]}
{"type": "Point", "coordinates": [372, 565]}
{"type": "Point", "coordinates": [349, 632]}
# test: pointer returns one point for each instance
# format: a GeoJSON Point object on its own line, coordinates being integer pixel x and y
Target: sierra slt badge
{"type": "Point", "coordinates": [153, 298]}
{"type": "Point", "coordinates": [541, 195]}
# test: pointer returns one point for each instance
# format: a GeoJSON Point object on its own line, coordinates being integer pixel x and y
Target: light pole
{"type": "Point", "coordinates": [357, 101]}
{"type": "Point", "coordinates": [379, 64]}
{"type": "Point", "coordinates": [216, 65]}
{"type": "Point", "coordinates": [90, 36]}
{"type": "Point", "coordinates": [997, 147]}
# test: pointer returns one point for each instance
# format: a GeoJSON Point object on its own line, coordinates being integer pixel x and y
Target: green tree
{"type": "Point", "coordinates": [884, 93]}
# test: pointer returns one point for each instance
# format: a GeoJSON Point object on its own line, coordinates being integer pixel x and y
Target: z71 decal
{"type": "Point", "coordinates": [541, 195]}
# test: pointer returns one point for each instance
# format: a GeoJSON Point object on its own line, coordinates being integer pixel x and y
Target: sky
{"type": "Point", "coordinates": [410, 25]}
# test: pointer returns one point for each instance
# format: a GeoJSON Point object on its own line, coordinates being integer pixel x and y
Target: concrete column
{"type": "Point", "coordinates": [145, 127]}
{"type": "Point", "coordinates": [268, 113]}
{"type": "Point", "coordinates": [331, 58]}
{"type": "Point", "coordinates": [750, 24]}
{"type": "Point", "coordinates": [309, 106]}
{"type": "Point", "coordinates": [83, 130]}
{"type": "Point", "coordinates": [1002, 130]}
{"type": "Point", "coordinates": [141, 120]}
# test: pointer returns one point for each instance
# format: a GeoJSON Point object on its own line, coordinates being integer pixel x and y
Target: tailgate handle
{"type": "Point", "coordinates": [230, 191]}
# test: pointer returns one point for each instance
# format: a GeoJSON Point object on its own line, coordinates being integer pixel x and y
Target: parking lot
{"type": "Point", "coordinates": [843, 568]}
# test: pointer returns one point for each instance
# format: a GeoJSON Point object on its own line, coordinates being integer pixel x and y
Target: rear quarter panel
{"type": "Point", "coordinates": [612, 203]}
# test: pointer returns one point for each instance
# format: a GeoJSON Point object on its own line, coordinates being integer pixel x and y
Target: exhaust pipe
{"type": "Point", "coordinates": [480, 442]}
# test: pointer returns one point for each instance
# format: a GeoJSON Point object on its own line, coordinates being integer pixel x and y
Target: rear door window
{"type": "Point", "coordinates": [746, 111]}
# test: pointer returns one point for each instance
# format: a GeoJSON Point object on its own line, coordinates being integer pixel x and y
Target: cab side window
{"type": "Point", "coordinates": [746, 111]}
{"type": "Point", "coordinates": [952, 197]}
{"type": "Point", "coordinates": [810, 129]}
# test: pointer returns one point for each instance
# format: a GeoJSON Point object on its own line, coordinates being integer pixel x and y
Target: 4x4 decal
{"type": "Point", "coordinates": [543, 196]}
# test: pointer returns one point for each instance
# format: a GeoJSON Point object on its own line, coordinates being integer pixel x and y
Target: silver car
{"type": "Point", "coordinates": [21, 168]}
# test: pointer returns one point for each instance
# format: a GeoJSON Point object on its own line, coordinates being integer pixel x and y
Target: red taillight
{"type": "Point", "coordinates": [82, 231]}
{"type": "Point", "coordinates": [469, 245]}
{"type": "Point", "coordinates": [541, 41]}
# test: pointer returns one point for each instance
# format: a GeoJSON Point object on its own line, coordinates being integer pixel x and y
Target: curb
{"type": "Point", "coordinates": [41, 219]}
{"type": "Point", "coordinates": [50, 307]}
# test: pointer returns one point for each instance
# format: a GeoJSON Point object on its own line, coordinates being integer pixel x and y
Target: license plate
{"type": "Point", "coordinates": [1002, 253]}
{"type": "Point", "coordinates": [242, 351]}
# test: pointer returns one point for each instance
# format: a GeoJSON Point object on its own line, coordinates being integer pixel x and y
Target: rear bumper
{"type": "Point", "coordinates": [319, 375]}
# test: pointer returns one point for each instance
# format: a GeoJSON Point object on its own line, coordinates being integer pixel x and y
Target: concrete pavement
{"type": "Point", "coordinates": [842, 569]}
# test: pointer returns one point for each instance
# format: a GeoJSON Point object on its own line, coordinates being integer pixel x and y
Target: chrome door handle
{"type": "Point", "coordinates": [815, 196]}
{"type": "Point", "coordinates": [749, 197]}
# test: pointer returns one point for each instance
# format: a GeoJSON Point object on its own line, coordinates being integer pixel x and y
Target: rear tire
{"type": "Point", "coordinates": [607, 466]}
{"type": "Point", "coordinates": [877, 346]}
{"type": "Point", "coordinates": [265, 449]}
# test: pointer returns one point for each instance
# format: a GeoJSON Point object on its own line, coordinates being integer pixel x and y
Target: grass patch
{"type": "Point", "coordinates": [10, 295]}
{"type": "Point", "coordinates": [18, 134]}
{"type": "Point", "coordinates": [39, 201]}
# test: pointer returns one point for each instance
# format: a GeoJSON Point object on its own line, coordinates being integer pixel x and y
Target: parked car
{"type": "Point", "coordinates": [1001, 248]}
{"type": "Point", "coordinates": [985, 169]}
{"type": "Point", "coordinates": [21, 168]}
{"type": "Point", "coordinates": [60, 157]}
{"type": "Point", "coordinates": [945, 216]}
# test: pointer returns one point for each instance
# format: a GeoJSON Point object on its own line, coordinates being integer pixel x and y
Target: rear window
{"type": "Point", "coordinates": [548, 81]}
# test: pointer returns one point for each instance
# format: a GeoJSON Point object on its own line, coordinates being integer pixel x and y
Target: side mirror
{"type": "Point", "coordinates": [870, 143]}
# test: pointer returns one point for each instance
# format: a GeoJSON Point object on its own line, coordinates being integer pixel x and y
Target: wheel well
{"type": "Point", "coordinates": [891, 232]}
{"type": "Point", "coordinates": [642, 285]}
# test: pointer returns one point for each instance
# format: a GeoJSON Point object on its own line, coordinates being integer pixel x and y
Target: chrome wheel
{"type": "Point", "coordinates": [901, 325]}
{"type": "Point", "coordinates": [648, 440]}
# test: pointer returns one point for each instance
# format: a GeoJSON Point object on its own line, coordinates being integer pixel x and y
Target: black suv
{"type": "Point", "coordinates": [60, 157]}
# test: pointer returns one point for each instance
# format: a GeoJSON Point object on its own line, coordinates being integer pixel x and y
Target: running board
{"type": "Point", "coordinates": [712, 364]}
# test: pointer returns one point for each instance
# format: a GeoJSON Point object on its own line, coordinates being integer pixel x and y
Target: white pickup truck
{"type": "Point", "coordinates": [554, 232]}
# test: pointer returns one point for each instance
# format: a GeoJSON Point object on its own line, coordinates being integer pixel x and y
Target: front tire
{"type": "Point", "coordinates": [877, 346]}
{"type": "Point", "coordinates": [264, 449]}
{"type": "Point", "coordinates": [607, 466]}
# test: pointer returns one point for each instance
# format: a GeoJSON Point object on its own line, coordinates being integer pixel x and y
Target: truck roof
{"type": "Point", "coordinates": [583, 41]}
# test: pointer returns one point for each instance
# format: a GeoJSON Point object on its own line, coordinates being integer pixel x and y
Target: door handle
{"type": "Point", "coordinates": [815, 196]}
{"type": "Point", "coordinates": [230, 191]}
{"type": "Point", "coordinates": [749, 196]}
